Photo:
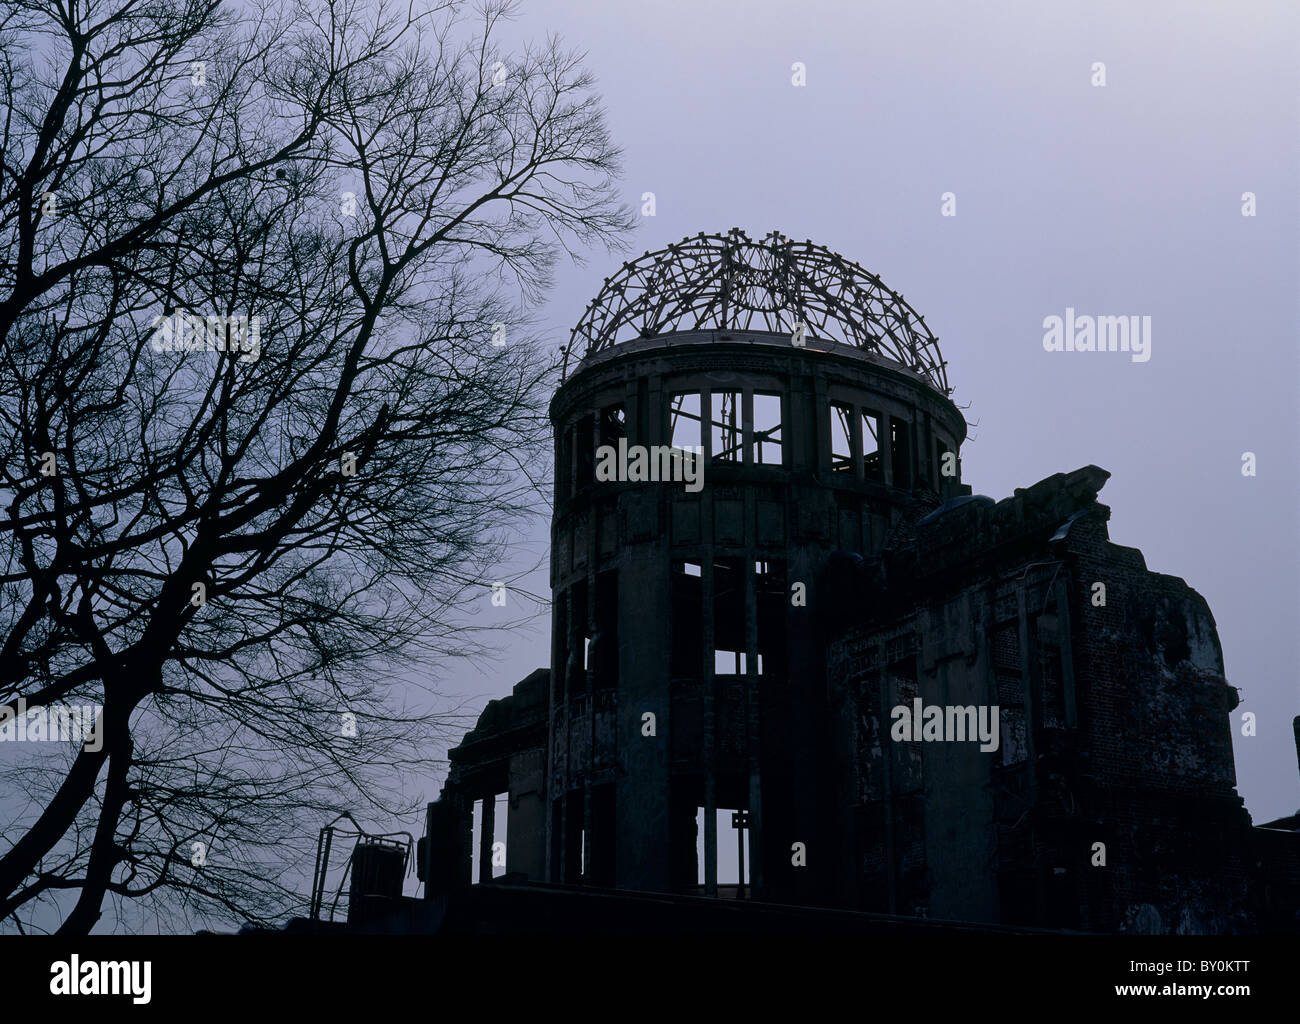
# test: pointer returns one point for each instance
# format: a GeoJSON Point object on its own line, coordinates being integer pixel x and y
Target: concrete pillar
{"type": "Point", "coordinates": [526, 824]}
{"type": "Point", "coordinates": [642, 785]}
{"type": "Point", "coordinates": [486, 838]}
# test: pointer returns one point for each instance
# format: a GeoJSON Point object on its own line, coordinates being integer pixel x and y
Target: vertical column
{"type": "Point", "coordinates": [1067, 653]}
{"type": "Point", "coordinates": [589, 674]}
{"type": "Point", "coordinates": [526, 817]}
{"type": "Point", "coordinates": [1027, 686]}
{"type": "Point", "coordinates": [710, 687]}
{"type": "Point", "coordinates": [914, 443]}
{"type": "Point", "coordinates": [747, 427]}
{"type": "Point", "coordinates": [548, 757]}
{"type": "Point", "coordinates": [820, 436]}
{"type": "Point", "coordinates": [431, 817]}
{"type": "Point", "coordinates": [642, 782]}
{"type": "Point", "coordinates": [887, 448]}
{"type": "Point", "coordinates": [565, 719]}
{"type": "Point", "coordinates": [931, 461]}
{"type": "Point", "coordinates": [654, 416]}
{"type": "Point", "coordinates": [709, 756]}
{"type": "Point", "coordinates": [886, 698]}
{"type": "Point", "coordinates": [487, 837]}
{"type": "Point", "coordinates": [752, 704]}
{"type": "Point", "coordinates": [800, 429]}
{"type": "Point", "coordinates": [855, 442]}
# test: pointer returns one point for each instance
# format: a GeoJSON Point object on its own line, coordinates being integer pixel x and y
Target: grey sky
{"type": "Point", "coordinates": [1119, 200]}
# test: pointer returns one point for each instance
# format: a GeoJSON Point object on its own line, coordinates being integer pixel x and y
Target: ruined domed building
{"type": "Point", "coordinates": [786, 634]}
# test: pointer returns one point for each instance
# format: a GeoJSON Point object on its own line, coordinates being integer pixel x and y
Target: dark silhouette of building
{"type": "Point", "coordinates": [750, 616]}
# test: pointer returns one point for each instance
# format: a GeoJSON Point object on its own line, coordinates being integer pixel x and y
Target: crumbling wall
{"type": "Point", "coordinates": [1110, 804]}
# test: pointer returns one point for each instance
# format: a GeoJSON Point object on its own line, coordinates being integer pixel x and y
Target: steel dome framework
{"type": "Point", "coordinates": [729, 282]}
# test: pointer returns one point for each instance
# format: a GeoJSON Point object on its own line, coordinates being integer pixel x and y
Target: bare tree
{"type": "Point", "coordinates": [270, 401]}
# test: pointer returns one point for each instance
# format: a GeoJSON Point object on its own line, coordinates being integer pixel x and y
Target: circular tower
{"type": "Point", "coordinates": [735, 418]}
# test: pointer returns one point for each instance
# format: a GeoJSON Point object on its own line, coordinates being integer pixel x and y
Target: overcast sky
{"type": "Point", "coordinates": [1122, 199]}
{"type": "Point", "coordinates": [1117, 200]}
